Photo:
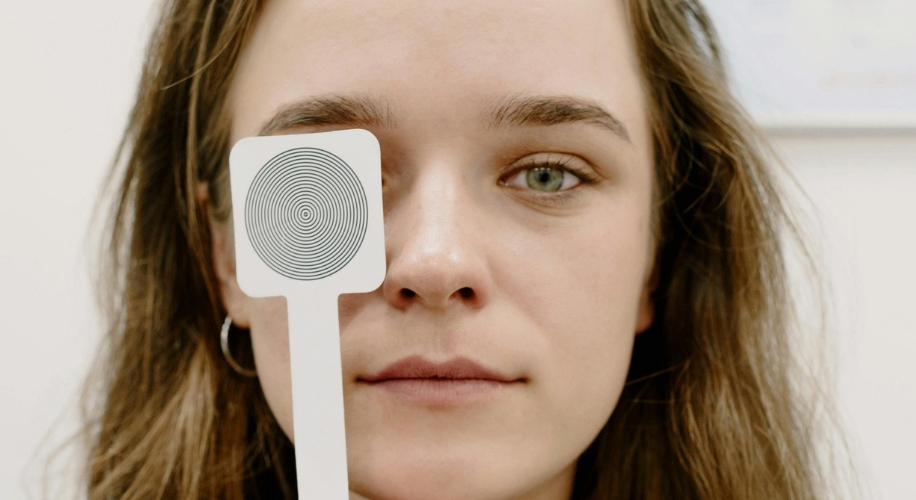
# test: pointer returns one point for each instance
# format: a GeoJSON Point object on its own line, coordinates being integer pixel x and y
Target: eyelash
{"type": "Point", "coordinates": [556, 198]}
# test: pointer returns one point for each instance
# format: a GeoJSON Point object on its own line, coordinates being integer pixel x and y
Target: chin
{"type": "Point", "coordinates": [432, 475]}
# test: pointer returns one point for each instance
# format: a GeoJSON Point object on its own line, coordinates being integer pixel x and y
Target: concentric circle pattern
{"type": "Point", "coordinates": [306, 214]}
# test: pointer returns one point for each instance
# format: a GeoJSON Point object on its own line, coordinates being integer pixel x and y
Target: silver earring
{"type": "Point", "coordinates": [224, 342]}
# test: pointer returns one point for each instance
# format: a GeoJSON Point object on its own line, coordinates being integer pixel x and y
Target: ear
{"type": "Point", "coordinates": [646, 314]}
{"type": "Point", "coordinates": [234, 300]}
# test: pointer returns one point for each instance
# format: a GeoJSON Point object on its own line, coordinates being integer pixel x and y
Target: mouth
{"type": "Point", "coordinates": [458, 381]}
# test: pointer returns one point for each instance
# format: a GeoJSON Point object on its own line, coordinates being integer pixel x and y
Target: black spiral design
{"type": "Point", "coordinates": [306, 214]}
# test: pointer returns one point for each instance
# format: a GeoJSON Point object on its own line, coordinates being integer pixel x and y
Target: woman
{"type": "Point", "coordinates": [573, 201]}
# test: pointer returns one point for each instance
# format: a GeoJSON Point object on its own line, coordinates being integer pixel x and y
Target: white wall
{"type": "Point", "coordinates": [864, 190]}
{"type": "Point", "coordinates": [68, 73]}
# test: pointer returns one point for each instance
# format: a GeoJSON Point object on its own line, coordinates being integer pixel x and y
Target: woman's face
{"type": "Point", "coordinates": [517, 171]}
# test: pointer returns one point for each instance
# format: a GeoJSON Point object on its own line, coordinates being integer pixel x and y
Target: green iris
{"type": "Point", "coordinates": [545, 179]}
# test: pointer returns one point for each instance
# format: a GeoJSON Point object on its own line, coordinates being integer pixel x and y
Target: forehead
{"type": "Point", "coordinates": [449, 53]}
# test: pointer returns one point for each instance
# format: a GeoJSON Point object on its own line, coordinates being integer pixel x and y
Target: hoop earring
{"type": "Point", "coordinates": [224, 343]}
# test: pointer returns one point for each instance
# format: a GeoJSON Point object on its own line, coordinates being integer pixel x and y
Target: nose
{"type": "Point", "coordinates": [436, 247]}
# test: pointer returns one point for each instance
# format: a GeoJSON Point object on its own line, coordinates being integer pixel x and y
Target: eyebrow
{"type": "Point", "coordinates": [361, 110]}
{"type": "Point", "coordinates": [340, 110]}
{"type": "Point", "coordinates": [553, 110]}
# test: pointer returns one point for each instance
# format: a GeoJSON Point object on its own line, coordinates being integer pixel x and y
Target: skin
{"type": "Point", "coordinates": [549, 287]}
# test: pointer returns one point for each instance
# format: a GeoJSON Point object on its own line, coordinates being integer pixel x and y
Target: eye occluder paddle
{"type": "Point", "coordinates": [308, 223]}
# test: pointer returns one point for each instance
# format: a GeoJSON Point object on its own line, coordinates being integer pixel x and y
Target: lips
{"type": "Point", "coordinates": [417, 367]}
{"type": "Point", "coordinates": [458, 383]}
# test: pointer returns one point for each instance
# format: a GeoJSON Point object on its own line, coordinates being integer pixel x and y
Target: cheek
{"type": "Point", "coordinates": [270, 342]}
{"type": "Point", "coordinates": [583, 292]}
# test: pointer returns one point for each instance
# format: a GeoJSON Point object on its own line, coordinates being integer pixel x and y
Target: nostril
{"type": "Point", "coordinates": [466, 293]}
{"type": "Point", "coordinates": [408, 293]}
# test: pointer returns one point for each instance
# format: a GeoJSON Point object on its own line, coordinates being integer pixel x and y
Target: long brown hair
{"type": "Point", "coordinates": [711, 408]}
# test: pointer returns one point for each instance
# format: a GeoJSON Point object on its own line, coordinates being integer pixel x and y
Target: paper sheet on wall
{"type": "Point", "coordinates": [822, 63]}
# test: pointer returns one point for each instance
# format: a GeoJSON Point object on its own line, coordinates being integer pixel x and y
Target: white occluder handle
{"type": "Point", "coordinates": [318, 407]}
